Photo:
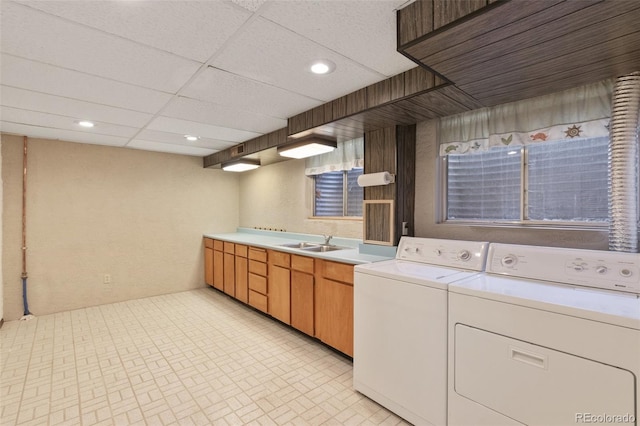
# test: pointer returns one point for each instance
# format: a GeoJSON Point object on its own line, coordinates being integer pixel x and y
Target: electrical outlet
{"type": "Point", "coordinates": [107, 279]}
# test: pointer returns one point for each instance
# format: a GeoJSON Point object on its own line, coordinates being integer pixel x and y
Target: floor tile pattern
{"type": "Point", "coordinates": [191, 358]}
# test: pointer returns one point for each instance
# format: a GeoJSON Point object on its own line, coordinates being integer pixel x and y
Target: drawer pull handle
{"type": "Point", "coordinates": [536, 360]}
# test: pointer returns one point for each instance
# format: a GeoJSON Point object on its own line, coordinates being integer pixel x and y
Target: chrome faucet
{"type": "Point", "coordinates": [327, 238]}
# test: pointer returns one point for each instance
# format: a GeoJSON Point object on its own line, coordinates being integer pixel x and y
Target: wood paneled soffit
{"type": "Point", "coordinates": [403, 99]}
{"type": "Point", "coordinates": [514, 49]}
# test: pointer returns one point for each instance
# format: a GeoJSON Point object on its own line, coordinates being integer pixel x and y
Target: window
{"type": "Point", "coordinates": [563, 181]}
{"type": "Point", "coordinates": [538, 161]}
{"type": "Point", "coordinates": [338, 193]}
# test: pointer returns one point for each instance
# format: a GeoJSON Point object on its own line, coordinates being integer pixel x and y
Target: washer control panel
{"type": "Point", "coordinates": [592, 268]}
{"type": "Point", "coordinates": [453, 253]}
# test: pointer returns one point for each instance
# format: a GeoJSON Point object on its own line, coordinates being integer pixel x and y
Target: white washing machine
{"type": "Point", "coordinates": [546, 336]}
{"type": "Point", "coordinates": [400, 325]}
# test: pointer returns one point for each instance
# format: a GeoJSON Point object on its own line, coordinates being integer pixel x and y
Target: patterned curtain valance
{"type": "Point", "coordinates": [348, 155]}
{"type": "Point", "coordinates": [578, 113]}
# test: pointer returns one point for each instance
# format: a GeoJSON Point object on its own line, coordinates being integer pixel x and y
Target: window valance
{"type": "Point", "coordinates": [579, 113]}
{"type": "Point", "coordinates": [348, 155]}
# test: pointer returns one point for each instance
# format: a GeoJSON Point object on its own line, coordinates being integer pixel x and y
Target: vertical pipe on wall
{"type": "Point", "coordinates": [24, 275]}
{"type": "Point", "coordinates": [623, 160]}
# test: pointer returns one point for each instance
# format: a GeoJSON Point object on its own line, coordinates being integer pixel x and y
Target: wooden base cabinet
{"type": "Point", "coordinates": [242, 273]}
{"type": "Point", "coordinates": [302, 283]}
{"type": "Point", "coordinates": [334, 305]}
{"type": "Point", "coordinates": [280, 286]}
{"type": "Point", "coordinates": [229, 274]}
{"type": "Point", "coordinates": [258, 289]}
{"type": "Point", "coordinates": [218, 265]}
{"type": "Point", "coordinates": [208, 261]}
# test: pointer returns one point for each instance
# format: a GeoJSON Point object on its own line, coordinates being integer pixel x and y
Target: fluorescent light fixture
{"type": "Point", "coordinates": [85, 123]}
{"type": "Point", "coordinates": [322, 66]}
{"type": "Point", "coordinates": [241, 165]}
{"type": "Point", "coordinates": [191, 138]}
{"type": "Point", "coordinates": [307, 147]}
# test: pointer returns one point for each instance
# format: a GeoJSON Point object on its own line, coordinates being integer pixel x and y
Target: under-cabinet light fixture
{"type": "Point", "coordinates": [307, 147]}
{"type": "Point", "coordinates": [241, 165]}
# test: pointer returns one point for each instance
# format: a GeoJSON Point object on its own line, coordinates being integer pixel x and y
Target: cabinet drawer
{"type": "Point", "coordinates": [218, 245]}
{"type": "Point", "coordinates": [337, 271]}
{"type": "Point", "coordinates": [241, 250]}
{"type": "Point", "coordinates": [302, 263]}
{"type": "Point", "coordinates": [208, 243]}
{"type": "Point", "coordinates": [258, 268]}
{"type": "Point", "coordinates": [258, 254]}
{"type": "Point", "coordinates": [279, 258]}
{"type": "Point", "coordinates": [257, 283]}
{"type": "Point", "coordinates": [229, 247]}
{"type": "Point", "coordinates": [258, 301]}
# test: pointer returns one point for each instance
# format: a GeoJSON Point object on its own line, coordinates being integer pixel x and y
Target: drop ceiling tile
{"type": "Point", "coordinates": [169, 148]}
{"type": "Point", "coordinates": [41, 102]}
{"type": "Point", "coordinates": [65, 44]}
{"type": "Point", "coordinates": [178, 139]}
{"type": "Point", "coordinates": [267, 52]}
{"type": "Point", "coordinates": [59, 134]}
{"type": "Point", "coordinates": [193, 29]}
{"type": "Point", "coordinates": [224, 88]}
{"type": "Point", "coordinates": [222, 115]}
{"type": "Point", "coordinates": [41, 119]}
{"type": "Point", "coordinates": [185, 127]}
{"type": "Point", "coordinates": [251, 5]}
{"type": "Point", "coordinates": [35, 76]}
{"type": "Point", "coordinates": [348, 27]}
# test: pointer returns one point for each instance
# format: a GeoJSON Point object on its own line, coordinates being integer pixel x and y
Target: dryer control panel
{"type": "Point", "coordinates": [469, 255]}
{"type": "Point", "coordinates": [593, 268]}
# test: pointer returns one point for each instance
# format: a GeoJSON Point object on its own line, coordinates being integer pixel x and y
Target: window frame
{"type": "Point", "coordinates": [345, 191]}
{"type": "Point", "coordinates": [523, 222]}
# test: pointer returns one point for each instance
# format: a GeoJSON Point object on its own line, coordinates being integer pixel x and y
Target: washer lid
{"type": "Point", "coordinates": [417, 273]}
{"type": "Point", "coordinates": [590, 303]}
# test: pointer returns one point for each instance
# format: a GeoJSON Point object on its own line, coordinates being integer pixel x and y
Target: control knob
{"type": "Point", "coordinates": [509, 260]}
{"type": "Point", "coordinates": [601, 269]}
{"type": "Point", "coordinates": [464, 255]}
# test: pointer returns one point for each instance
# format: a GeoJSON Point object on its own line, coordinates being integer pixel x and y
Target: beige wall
{"type": "Point", "coordinates": [94, 210]}
{"type": "Point", "coordinates": [1, 221]}
{"type": "Point", "coordinates": [426, 209]}
{"type": "Point", "coordinates": [280, 196]}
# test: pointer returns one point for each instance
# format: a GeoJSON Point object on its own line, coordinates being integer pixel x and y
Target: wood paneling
{"type": "Point", "coordinates": [512, 50]}
{"type": "Point", "coordinates": [414, 21]}
{"type": "Point", "coordinates": [357, 101]}
{"type": "Point", "coordinates": [405, 179]}
{"type": "Point", "coordinates": [380, 156]}
{"type": "Point", "coordinates": [418, 80]}
{"type": "Point", "coordinates": [447, 11]}
{"type": "Point", "coordinates": [338, 108]}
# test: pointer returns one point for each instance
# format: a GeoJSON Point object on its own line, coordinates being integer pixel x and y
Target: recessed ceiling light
{"type": "Point", "coordinates": [191, 138]}
{"type": "Point", "coordinates": [323, 66]}
{"type": "Point", "coordinates": [85, 123]}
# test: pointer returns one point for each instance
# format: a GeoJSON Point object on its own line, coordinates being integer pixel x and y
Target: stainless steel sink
{"type": "Point", "coordinates": [323, 248]}
{"type": "Point", "coordinates": [302, 245]}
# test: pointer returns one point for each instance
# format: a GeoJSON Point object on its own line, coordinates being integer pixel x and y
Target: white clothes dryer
{"type": "Point", "coordinates": [547, 336]}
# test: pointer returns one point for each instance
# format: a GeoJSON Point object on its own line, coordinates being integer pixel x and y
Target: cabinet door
{"type": "Point", "coordinates": [208, 265]}
{"type": "Point", "coordinates": [242, 275]}
{"type": "Point", "coordinates": [334, 314]}
{"type": "Point", "coordinates": [218, 269]}
{"type": "Point", "coordinates": [229, 274]}
{"type": "Point", "coordinates": [302, 301]}
{"type": "Point", "coordinates": [280, 293]}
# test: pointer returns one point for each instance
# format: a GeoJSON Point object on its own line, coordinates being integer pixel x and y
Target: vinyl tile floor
{"type": "Point", "coordinates": [190, 358]}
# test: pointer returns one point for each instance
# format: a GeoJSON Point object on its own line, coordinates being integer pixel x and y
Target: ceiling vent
{"type": "Point", "coordinates": [237, 150]}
